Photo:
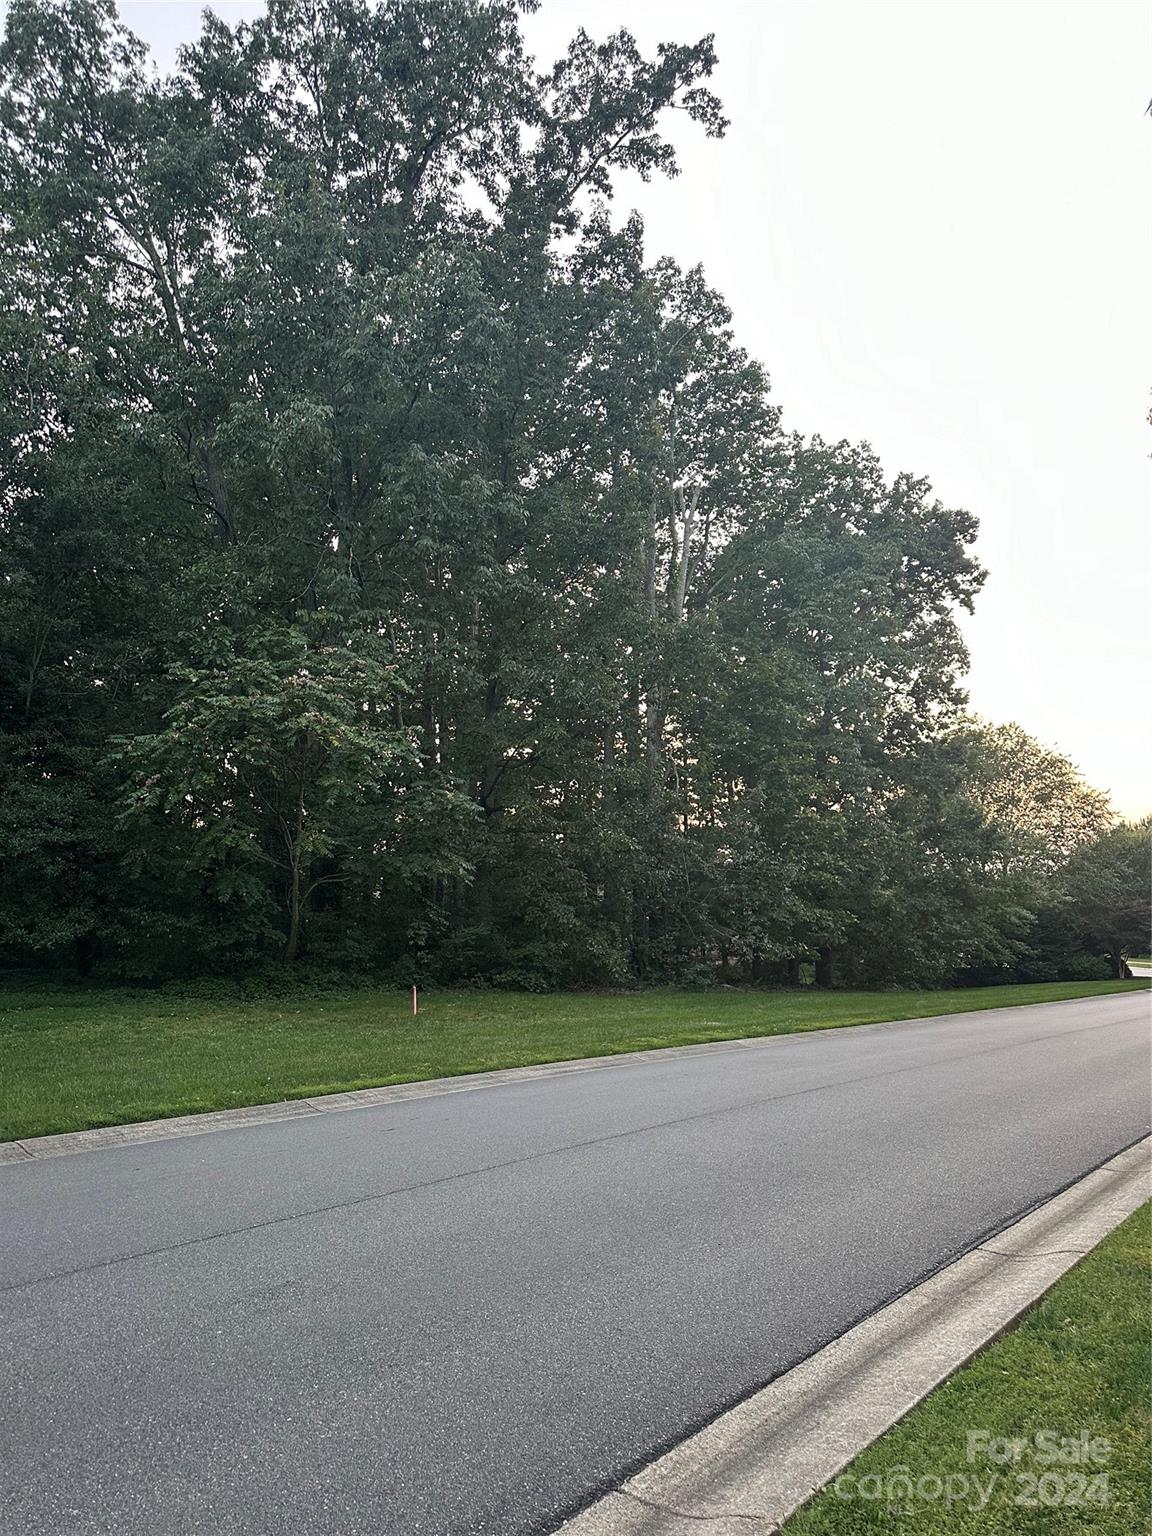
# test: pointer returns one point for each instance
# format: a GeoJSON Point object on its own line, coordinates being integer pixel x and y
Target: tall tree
{"type": "Point", "coordinates": [406, 570]}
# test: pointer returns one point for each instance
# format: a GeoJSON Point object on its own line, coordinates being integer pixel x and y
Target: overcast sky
{"type": "Point", "coordinates": [929, 217]}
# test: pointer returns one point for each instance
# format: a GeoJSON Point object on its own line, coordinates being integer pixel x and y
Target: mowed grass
{"type": "Point", "coordinates": [1078, 1366]}
{"type": "Point", "coordinates": [70, 1059]}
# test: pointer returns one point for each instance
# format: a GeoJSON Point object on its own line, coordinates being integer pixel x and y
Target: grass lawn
{"type": "Point", "coordinates": [74, 1058]}
{"type": "Point", "coordinates": [1077, 1366]}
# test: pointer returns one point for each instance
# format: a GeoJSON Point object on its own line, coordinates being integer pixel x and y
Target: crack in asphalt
{"type": "Point", "coordinates": [576, 1146]}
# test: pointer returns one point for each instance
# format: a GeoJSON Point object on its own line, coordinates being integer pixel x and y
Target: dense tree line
{"type": "Point", "coordinates": [404, 573]}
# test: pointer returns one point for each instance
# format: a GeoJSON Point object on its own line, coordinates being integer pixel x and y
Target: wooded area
{"type": "Point", "coordinates": [405, 573]}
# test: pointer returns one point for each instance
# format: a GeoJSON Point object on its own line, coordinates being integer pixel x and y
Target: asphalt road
{"type": "Point", "coordinates": [469, 1313]}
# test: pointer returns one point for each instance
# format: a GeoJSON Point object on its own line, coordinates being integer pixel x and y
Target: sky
{"type": "Point", "coordinates": [929, 219]}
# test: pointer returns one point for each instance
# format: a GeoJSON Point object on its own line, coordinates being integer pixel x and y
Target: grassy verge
{"type": "Point", "coordinates": [1077, 1369]}
{"type": "Point", "coordinates": [70, 1059]}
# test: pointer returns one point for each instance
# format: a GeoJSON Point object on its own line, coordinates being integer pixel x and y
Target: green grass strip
{"type": "Point", "coordinates": [1075, 1376]}
{"type": "Point", "coordinates": [71, 1058]}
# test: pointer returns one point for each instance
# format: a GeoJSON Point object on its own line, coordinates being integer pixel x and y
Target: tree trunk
{"type": "Point", "coordinates": [824, 967]}
{"type": "Point", "coordinates": [688, 507]}
{"type": "Point", "coordinates": [641, 936]}
{"type": "Point", "coordinates": [292, 943]}
{"type": "Point", "coordinates": [84, 953]}
{"type": "Point", "coordinates": [1119, 965]}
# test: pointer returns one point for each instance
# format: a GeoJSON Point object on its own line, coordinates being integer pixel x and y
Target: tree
{"type": "Point", "coordinates": [285, 754]}
{"type": "Point", "coordinates": [408, 570]}
{"type": "Point", "coordinates": [1106, 887]}
{"type": "Point", "coordinates": [1036, 797]}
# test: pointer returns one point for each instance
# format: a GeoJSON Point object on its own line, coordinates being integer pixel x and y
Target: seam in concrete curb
{"type": "Point", "coordinates": [748, 1470]}
{"type": "Point", "coordinates": [173, 1126]}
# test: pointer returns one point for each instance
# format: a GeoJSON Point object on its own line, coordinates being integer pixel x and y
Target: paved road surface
{"type": "Point", "coordinates": [468, 1313]}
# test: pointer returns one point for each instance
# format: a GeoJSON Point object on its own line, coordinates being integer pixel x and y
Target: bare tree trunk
{"type": "Point", "coordinates": [292, 943]}
{"type": "Point", "coordinates": [297, 896]}
{"type": "Point", "coordinates": [218, 492]}
{"type": "Point", "coordinates": [687, 507]}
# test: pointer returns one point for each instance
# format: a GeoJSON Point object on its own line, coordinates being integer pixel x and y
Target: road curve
{"type": "Point", "coordinates": [469, 1313]}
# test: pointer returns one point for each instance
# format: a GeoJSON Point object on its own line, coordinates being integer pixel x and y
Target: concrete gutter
{"type": "Point", "coordinates": [747, 1471]}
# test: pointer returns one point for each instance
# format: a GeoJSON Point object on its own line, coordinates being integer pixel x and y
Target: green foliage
{"type": "Point", "coordinates": [1107, 893]}
{"type": "Point", "coordinates": [282, 761]}
{"type": "Point", "coordinates": [1036, 797]}
{"type": "Point", "coordinates": [406, 575]}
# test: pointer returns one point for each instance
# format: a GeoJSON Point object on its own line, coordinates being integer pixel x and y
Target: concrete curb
{"type": "Point", "coordinates": [747, 1471]}
{"type": "Point", "coordinates": [361, 1098]}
